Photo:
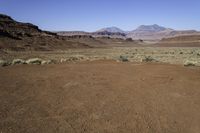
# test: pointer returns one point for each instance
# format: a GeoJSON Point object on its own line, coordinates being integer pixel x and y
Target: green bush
{"type": "Point", "coordinates": [123, 58]}
{"type": "Point", "coordinates": [147, 59]}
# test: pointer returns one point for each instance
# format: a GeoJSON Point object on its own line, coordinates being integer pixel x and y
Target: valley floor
{"type": "Point", "coordinates": [100, 96]}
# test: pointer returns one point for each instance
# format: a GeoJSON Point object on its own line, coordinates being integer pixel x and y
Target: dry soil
{"type": "Point", "coordinates": [100, 97]}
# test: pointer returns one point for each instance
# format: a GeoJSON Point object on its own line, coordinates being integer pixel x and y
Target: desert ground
{"type": "Point", "coordinates": [100, 96]}
{"type": "Point", "coordinates": [133, 89]}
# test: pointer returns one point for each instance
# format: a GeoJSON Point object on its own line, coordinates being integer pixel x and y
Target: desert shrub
{"type": "Point", "coordinates": [46, 62]}
{"type": "Point", "coordinates": [190, 63]}
{"type": "Point", "coordinates": [36, 61]}
{"type": "Point", "coordinates": [63, 60]}
{"type": "Point", "coordinates": [18, 61]}
{"type": "Point", "coordinates": [191, 52]}
{"type": "Point", "coordinates": [129, 39]}
{"type": "Point", "coordinates": [74, 59]}
{"type": "Point", "coordinates": [140, 40]}
{"type": "Point", "coordinates": [123, 58]}
{"type": "Point", "coordinates": [4, 63]}
{"type": "Point", "coordinates": [147, 59]}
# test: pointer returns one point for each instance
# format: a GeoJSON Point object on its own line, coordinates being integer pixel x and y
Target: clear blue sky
{"type": "Point", "coordinates": [90, 15]}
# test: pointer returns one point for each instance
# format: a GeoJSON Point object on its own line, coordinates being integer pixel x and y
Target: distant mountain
{"type": "Point", "coordinates": [20, 36]}
{"type": "Point", "coordinates": [111, 30]}
{"type": "Point", "coordinates": [144, 32]}
{"type": "Point", "coordinates": [150, 28]}
{"type": "Point", "coordinates": [156, 32]}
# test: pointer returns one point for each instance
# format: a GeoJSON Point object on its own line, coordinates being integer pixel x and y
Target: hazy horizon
{"type": "Point", "coordinates": [92, 15]}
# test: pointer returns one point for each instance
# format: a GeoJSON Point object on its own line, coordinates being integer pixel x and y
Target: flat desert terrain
{"type": "Point", "coordinates": [100, 97]}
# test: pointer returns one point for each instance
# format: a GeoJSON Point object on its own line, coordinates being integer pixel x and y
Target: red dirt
{"type": "Point", "coordinates": [104, 97]}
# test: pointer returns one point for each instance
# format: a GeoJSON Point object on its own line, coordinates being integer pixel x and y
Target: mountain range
{"type": "Point", "coordinates": [18, 36]}
{"type": "Point", "coordinates": [144, 32]}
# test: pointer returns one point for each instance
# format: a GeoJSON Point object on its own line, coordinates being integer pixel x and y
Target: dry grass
{"type": "Point", "coordinates": [131, 54]}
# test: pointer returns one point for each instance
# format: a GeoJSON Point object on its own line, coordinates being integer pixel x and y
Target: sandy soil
{"type": "Point", "coordinates": [100, 97]}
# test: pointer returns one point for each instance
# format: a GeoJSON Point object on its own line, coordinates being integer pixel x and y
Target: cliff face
{"type": "Point", "coordinates": [19, 36]}
{"type": "Point", "coordinates": [13, 29]}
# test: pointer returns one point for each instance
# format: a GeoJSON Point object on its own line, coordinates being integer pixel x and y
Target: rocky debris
{"type": "Point", "coordinates": [18, 61]}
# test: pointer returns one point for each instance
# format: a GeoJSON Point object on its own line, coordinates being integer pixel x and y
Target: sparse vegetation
{"type": "Point", "coordinates": [123, 58]}
{"type": "Point", "coordinates": [147, 59]}
{"type": "Point", "coordinates": [36, 61]}
{"type": "Point", "coordinates": [190, 63]}
{"type": "Point", "coordinates": [18, 61]}
{"type": "Point", "coordinates": [4, 63]}
{"type": "Point", "coordinates": [165, 55]}
{"type": "Point", "coordinates": [129, 39]}
{"type": "Point", "coordinates": [46, 62]}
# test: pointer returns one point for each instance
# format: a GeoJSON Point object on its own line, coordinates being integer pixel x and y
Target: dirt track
{"type": "Point", "coordinates": [100, 97]}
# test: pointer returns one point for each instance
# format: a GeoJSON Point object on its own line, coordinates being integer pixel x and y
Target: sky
{"type": "Point", "coordinates": [91, 15]}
